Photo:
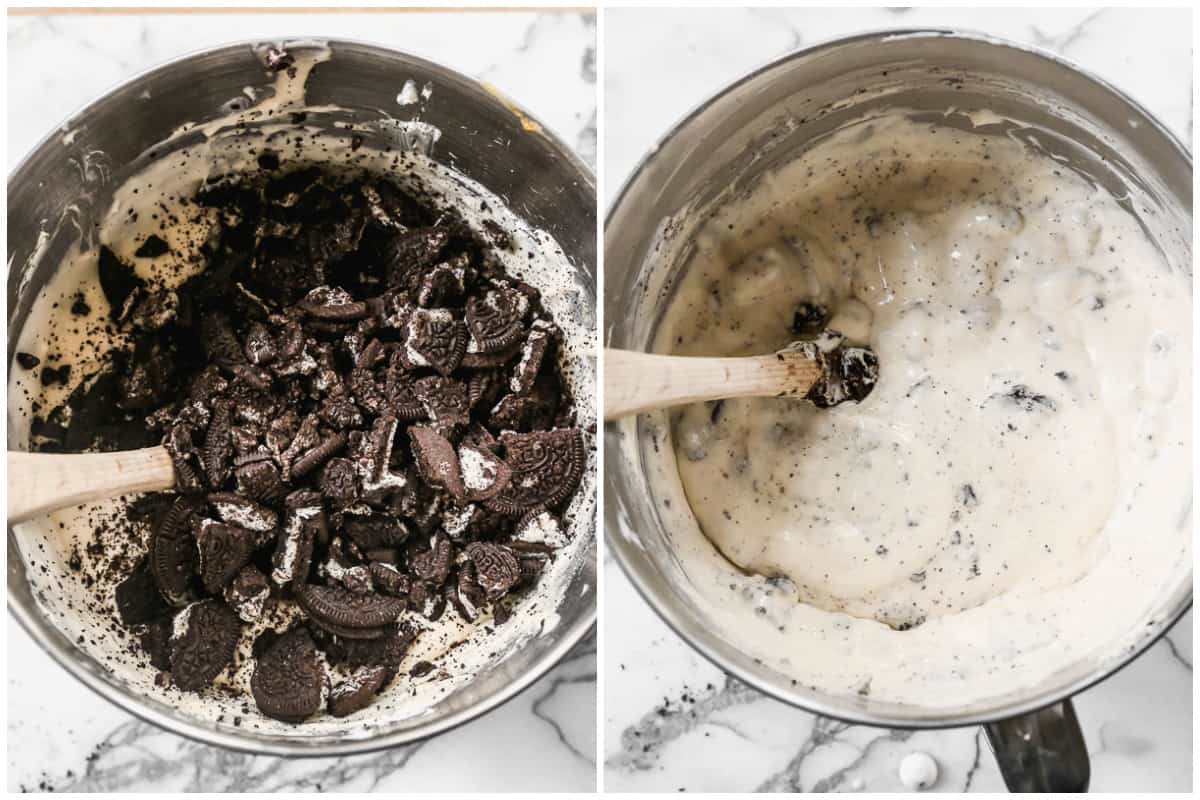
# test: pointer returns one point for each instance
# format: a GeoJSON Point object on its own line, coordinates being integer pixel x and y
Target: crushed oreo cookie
{"type": "Point", "coordinates": [847, 373]}
{"type": "Point", "coordinates": [289, 681]}
{"type": "Point", "coordinates": [366, 417]}
{"type": "Point", "coordinates": [153, 247]}
{"type": "Point", "coordinates": [203, 642]}
{"type": "Point", "coordinates": [356, 692]}
{"type": "Point", "coordinates": [1024, 398]}
{"type": "Point", "coordinates": [809, 319]}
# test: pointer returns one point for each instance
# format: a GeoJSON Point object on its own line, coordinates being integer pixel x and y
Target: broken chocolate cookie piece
{"type": "Point", "coordinates": [389, 580]}
{"type": "Point", "coordinates": [484, 475]}
{"type": "Point", "coordinates": [318, 454]}
{"type": "Point", "coordinates": [387, 650]}
{"type": "Point", "coordinates": [235, 509]}
{"type": "Point", "coordinates": [173, 554]}
{"type": "Point", "coordinates": [533, 352]}
{"type": "Point", "coordinates": [497, 570]}
{"type": "Point", "coordinates": [444, 399]}
{"type": "Point", "coordinates": [432, 337]}
{"type": "Point", "coordinates": [289, 681]}
{"type": "Point", "coordinates": [851, 374]}
{"type": "Point", "coordinates": [119, 283]}
{"type": "Point", "coordinates": [247, 593]}
{"type": "Point", "coordinates": [155, 640]}
{"type": "Point", "coordinates": [224, 550]}
{"type": "Point", "coordinates": [540, 527]}
{"type": "Point", "coordinates": [278, 59]}
{"type": "Point", "coordinates": [436, 460]}
{"type": "Point", "coordinates": [304, 523]}
{"type": "Point", "coordinates": [218, 444]}
{"type": "Point", "coordinates": [375, 530]}
{"type": "Point", "coordinates": [339, 483]}
{"type": "Point", "coordinates": [494, 319]}
{"type": "Point", "coordinates": [356, 692]}
{"type": "Point", "coordinates": [204, 639]}
{"type": "Point", "coordinates": [137, 597]}
{"type": "Point", "coordinates": [465, 594]}
{"type": "Point", "coordinates": [181, 447]}
{"type": "Point", "coordinates": [809, 319]}
{"type": "Point", "coordinates": [259, 480]}
{"type": "Point", "coordinates": [223, 349]}
{"type": "Point", "coordinates": [333, 304]}
{"type": "Point", "coordinates": [546, 468]}
{"type": "Point", "coordinates": [373, 461]}
{"type": "Point", "coordinates": [534, 410]}
{"type": "Point", "coordinates": [259, 345]}
{"type": "Point", "coordinates": [847, 373]}
{"type": "Point", "coordinates": [408, 255]}
{"type": "Point", "coordinates": [344, 609]}
{"type": "Point", "coordinates": [433, 565]}
{"type": "Point", "coordinates": [153, 247]}
{"type": "Point", "coordinates": [445, 284]}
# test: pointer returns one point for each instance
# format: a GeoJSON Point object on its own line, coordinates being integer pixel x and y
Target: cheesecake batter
{"type": "Point", "coordinates": [1012, 496]}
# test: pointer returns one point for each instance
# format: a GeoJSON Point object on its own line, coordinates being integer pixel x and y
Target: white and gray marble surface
{"type": "Point", "coordinates": [674, 722]}
{"type": "Point", "coordinates": [63, 737]}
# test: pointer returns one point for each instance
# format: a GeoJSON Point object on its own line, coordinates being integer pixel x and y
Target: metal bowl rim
{"type": "Point", "coordinates": [30, 618]}
{"type": "Point", "coordinates": [674, 619]}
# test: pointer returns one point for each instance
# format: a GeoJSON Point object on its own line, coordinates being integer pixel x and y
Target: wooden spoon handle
{"type": "Point", "coordinates": [636, 382]}
{"type": "Point", "coordinates": [42, 482]}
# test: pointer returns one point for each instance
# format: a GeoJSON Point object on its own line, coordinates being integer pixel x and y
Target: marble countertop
{"type": "Point", "coordinates": [63, 737]}
{"type": "Point", "coordinates": [674, 722]}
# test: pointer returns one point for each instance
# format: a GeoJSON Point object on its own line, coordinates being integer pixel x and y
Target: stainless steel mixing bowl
{"type": "Point", "coordinates": [764, 119]}
{"type": "Point", "coordinates": [69, 177]}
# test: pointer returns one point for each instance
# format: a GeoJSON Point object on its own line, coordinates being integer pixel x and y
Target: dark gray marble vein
{"type": "Point", "coordinates": [734, 729]}
{"type": "Point", "coordinates": [585, 144]}
{"type": "Point", "coordinates": [780, 18]}
{"type": "Point", "coordinates": [1064, 40]}
{"type": "Point", "coordinates": [1112, 740]}
{"type": "Point", "coordinates": [539, 711]}
{"type": "Point", "coordinates": [541, 22]}
{"type": "Point", "coordinates": [31, 27]}
{"type": "Point", "coordinates": [975, 762]}
{"type": "Point", "coordinates": [642, 741]}
{"type": "Point", "coordinates": [138, 755]}
{"type": "Point", "coordinates": [542, 25]}
{"type": "Point", "coordinates": [825, 731]}
{"type": "Point", "coordinates": [588, 68]}
{"type": "Point", "coordinates": [1176, 654]}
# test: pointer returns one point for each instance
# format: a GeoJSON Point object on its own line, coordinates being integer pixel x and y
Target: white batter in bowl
{"type": "Point", "coordinates": [1006, 501]}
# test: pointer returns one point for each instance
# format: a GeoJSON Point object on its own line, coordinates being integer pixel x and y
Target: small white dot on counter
{"type": "Point", "coordinates": [918, 771]}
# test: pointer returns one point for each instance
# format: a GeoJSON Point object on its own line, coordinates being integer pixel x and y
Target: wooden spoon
{"type": "Point", "coordinates": [825, 372]}
{"type": "Point", "coordinates": [42, 482]}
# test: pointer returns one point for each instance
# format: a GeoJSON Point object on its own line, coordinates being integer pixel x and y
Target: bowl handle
{"type": "Point", "coordinates": [1042, 751]}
